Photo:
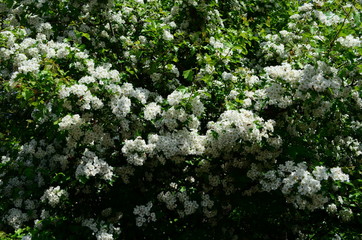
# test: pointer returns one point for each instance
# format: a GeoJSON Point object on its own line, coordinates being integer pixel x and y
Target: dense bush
{"type": "Point", "coordinates": [161, 119]}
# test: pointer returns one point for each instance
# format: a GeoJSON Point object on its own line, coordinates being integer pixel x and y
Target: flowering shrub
{"type": "Point", "coordinates": [150, 119]}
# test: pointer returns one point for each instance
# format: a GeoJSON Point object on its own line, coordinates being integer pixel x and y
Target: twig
{"type": "Point", "coordinates": [337, 34]}
{"type": "Point", "coordinates": [110, 24]}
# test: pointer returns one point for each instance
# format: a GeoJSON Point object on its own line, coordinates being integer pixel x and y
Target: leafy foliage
{"type": "Point", "coordinates": [158, 119]}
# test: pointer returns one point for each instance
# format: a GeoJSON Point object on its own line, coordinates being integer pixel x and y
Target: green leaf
{"type": "Point", "coordinates": [27, 94]}
{"type": "Point", "coordinates": [215, 134]}
{"type": "Point", "coordinates": [188, 74]}
{"type": "Point", "coordinates": [86, 35]}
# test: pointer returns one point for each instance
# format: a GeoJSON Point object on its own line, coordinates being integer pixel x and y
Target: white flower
{"type": "Point", "coordinates": [5, 159]}
{"type": "Point", "coordinates": [349, 41]}
{"type": "Point", "coordinates": [91, 165]}
{"type": "Point", "coordinates": [26, 237]}
{"type": "Point", "coordinates": [87, 79]}
{"type": "Point", "coordinates": [197, 106]}
{"type": "Point", "coordinates": [346, 214]}
{"type": "Point", "coordinates": [53, 195]}
{"type": "Point", "coordinates": [175, 97]}
{"type": "Point", "coordinates": [168, 198]}
{"type": "Point", "coordinates": [338, 175]}
{"type": "Point", "coordinates": [228, 76]}
{"type": "Point", "coordinates": [252, 80]}
{"type": "Point", "coordinates": [15, 218]}
{"type": "Point", "coordinates": [167, 35]}
{"type": "Point", "coordinates": [178, 143]}
{"type": "Point", "coordinates": [215, 43]}
{"type": "Point", "coordinates": [121, 106]}
{"type": "Point", "coordinates": [136, 151]}
{"type": "Point", "coordinates": [144, 214]}
{"type": "Point", "coordinates": [320, 172]}
{"type": "Point", "coordinates": [190, 207]}
{"type": "Point", "coordinates": [69, 122]}
{"type": "Point", "coordinates": [156, 77]}
{"type": "Point", "coordinates": [332, 208]}
{"type": "Point", "coordinates": [151, 111]}
{"type": "Point", "coordinates": [31, 66]}
{"type": "Point", "coordinates": [309, 185]}
{"type": "Point", "coordinates": [306, 7]}
{"type": "Point", "coordinates": [104, 236]}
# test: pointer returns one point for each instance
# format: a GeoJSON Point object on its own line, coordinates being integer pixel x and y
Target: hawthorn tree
{"type": "Point", "coordinates": [160, 119]}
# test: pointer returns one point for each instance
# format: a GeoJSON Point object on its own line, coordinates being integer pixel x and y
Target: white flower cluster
{"type": "Point", "coordinates": [350, 41]}
{"type": "Point", "coordinates": [53, 195]}
{"type": "Point", "coordinates": [285, 72]}
{"type": "Point", "coordinates": [167, 35]}
{"type": "Point", "coordinates": [144, 214]}
{"type": "Point", "coordinates": [169, 198]}
{"type": "Point", "coordinates": [27, 66]}
{"type": "Point", "coordinates": [151, 110]}
{"type": "Point", "coordinates": [121, 103]}
{"type": "Point", "coordinates": [306, 7]}
{"type": "Point", "coordinates": [70, 122]}
{"type": "Point", "coordinates": [233, 128]}
{"type": "Point", "coordinates": [228, 77]}
{"type": "Point", "coordinates": [317, 80]}
{"type": "Point", "coordinates": [331, 208]}
{"type": "Point", "coordinates": [283, 78]}
{"type": "Point", "coordinates": [176, 97]}
{"type": "Point", "coordinates": [55, 49]}
{"type": "Point", "coordinates": [308, 185]}
{"type": "Point", "coordinates": [85, 97]}
{"type": "Point", "coordinates": [215, 43]}
{"type": "Point", "coordinates": [171, 118]}
{"type": "Point", "coordinates": [297, 183]}
{"type": "Point", "coordinates": [90, 166]}
{"type": "Point", "coordinates": [329, 19]}
{"type": "Point", "coordinates": [178, 143]}
{"type": "Point", "coordinates": [101, 114]}
{"type": "Point", "coordinates": [15, 218]}
{"type": "Point", "coordinates": [272, 49]}
{"type": "Point", "coordinates": [121, 106]}
{"type": "Point", "coordinates": [337, 175]}
{"type": "Point", "coordinates": [104, 236]}
{"type": "Point", "coordinates": [136, 151]}
{"type": "Point", "coordinates": [197, 106]}
{"type": "Point", "coordinates": [346, 214]}
{"type": "Point", "coordinates": [190, 206]}
{"type": "Point", "coordinates": [207, 205]}
{"type": "Point", "coordinates": [102, 232]}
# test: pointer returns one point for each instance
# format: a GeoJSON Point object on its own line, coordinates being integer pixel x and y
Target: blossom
{"type": "Point", "coordinates": [306, 7]}
{"type": "Point", "coordinates": [350, 41]}
{"type": "Point", "coordinates": [167, 35]}
{"type": "Point", "coordinates": [320, 172]}
{"type": "Point", "coordinates": [144, 214]}
{"type": "Point", "coordinates": [136, 151]}
{"type": "Point", "coordinates": [70, 122]}
{"type": "Point", "coordinates": [151, 111]}
{"type": "Point", "coordinates": [337, 175]}
{"type": "Point", "coordinates": [121, 106]}
{"type": "Point", "coordinates": [91, 165]}
{"type": "Point", "coordinates": [53, 195]}
{"type": "Point", "coordinates": [104, 236]}
{"type": "Point", "coordinates": [332, 208]}
{"type": "Point", "coordinates": [31, 66]}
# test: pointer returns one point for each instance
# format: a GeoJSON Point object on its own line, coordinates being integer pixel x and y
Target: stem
{"type": "Point", "coordinates": [338, 32]}
{"type": "Point", "coordinates": [110, 25]}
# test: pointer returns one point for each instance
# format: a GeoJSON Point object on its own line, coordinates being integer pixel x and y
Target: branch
{"type": "Point", "coordinates": [338, 32]}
